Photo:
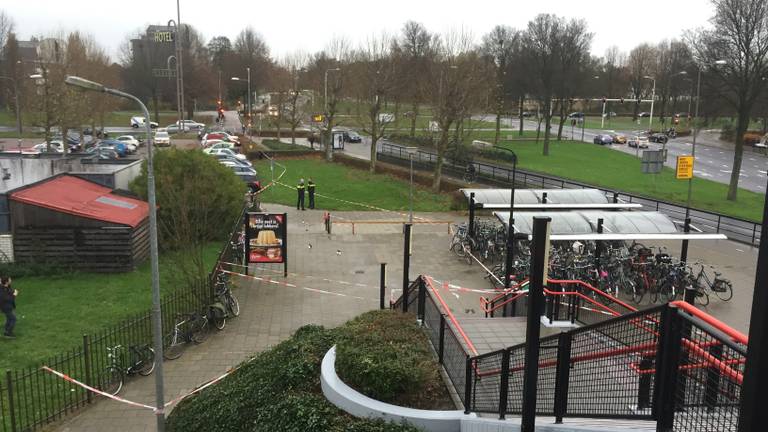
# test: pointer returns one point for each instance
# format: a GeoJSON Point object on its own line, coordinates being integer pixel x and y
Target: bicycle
{"type": "Point", "coordinates": [722, 287]}
{"type": "Point", "coordinates": [225, 296]}
{"type": "Point", "coordinates": [469, 176]}
{"type": "Point", "coordinates": [140, 359]}
{"type": "Point", "coordinates": [188, 328]}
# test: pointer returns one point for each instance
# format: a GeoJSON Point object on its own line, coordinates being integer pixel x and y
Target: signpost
{"type": "Point", "coordinates": [266, 239]}
{"type": "Point", "coordinates": [652, 163]}
{"type": "Point", "coordinates": [164, 73]}
{"type": "Point", "coordinates": [684, 169]}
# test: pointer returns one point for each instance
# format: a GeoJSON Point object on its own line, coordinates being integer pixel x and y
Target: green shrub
{"type": "Point", "coordinates": [728, 131]}
{"type": "Point", "coordinates": [279, 390]}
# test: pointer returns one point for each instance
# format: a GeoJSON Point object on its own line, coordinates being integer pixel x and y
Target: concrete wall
{"type": "Point", "coordinates": [125, 176]}
{"type": "Point", "coordinates": [6, 248]}
{"type": "Point", "coordinates": [24, 171]}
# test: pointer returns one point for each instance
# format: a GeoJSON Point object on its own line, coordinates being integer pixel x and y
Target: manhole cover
{"type": "Point", "coordinates": [359, 271]}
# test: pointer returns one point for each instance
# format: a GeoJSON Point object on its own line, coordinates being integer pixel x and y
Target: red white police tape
{"type": "Point", "coordinates": [340, 282]}
{"type": "Point", "coordinates": [317, 290]}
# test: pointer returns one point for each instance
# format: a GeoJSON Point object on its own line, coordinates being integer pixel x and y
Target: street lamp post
{"type": "Point", "coordinates": [411, 151]}
{"type": "Point", "coordinates": [248, 103]}
{"type": "Point", "coordinates": [178, 89]}
{"type": "Point", "coordinates": [157, 324]}
{"type": "Point", "coordinates": [18, 107]}
{"type": "Point", "coordinates": [653, 98]}
{"type": "Point", "coordinates": [510, 227]}
{"type": "Point", "coordinates": [325, 104]}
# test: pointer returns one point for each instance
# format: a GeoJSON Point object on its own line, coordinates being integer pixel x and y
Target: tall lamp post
{"type": "Point", "coordinates": [511, 224]}
{"type": "Point", "coordinates": [178, 89]}
{"type": "Point", "coordinates": [157, 324]}
{"type": "Point", "coordinates": [325, 102]}
{"type": "Point", "coordinates": [653, 98]}
{"type": "Point", "coordinates": [411, 151]}
{"type": "Point", "coordinates": [684, 251]}
{"type": "Point", "coordinates": [248, 103]}
{"type": "Point", "coordinates": [18, 107]}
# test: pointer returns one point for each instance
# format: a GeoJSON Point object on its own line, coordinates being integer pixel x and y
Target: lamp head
{"type": "Point", "coordinates": [83, 83]}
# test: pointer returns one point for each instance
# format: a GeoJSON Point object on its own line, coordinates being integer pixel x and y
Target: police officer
{"type": "Point", "coordinates": [300, 190]}
{"type": "Point", "coordinates": [311, 190]}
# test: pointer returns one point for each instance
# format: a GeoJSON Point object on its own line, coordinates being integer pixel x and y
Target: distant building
{"type": "Point", "coordinates": [154, 46]}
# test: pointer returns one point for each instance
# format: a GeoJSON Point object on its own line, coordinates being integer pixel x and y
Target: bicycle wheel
{"type": "Point", "coordinates": [147, 361]}
{"type": "Point", "coordinates": [638, 292]}
{"type": "Point", "coordinates": [702, 298]}
{"type": "Point", "coordinates": [233, 305]}
{"type": "Point", "coordinates": [458, 249]}
{"type": "Point", "coordinates": [111, 380]}
{"type": "Point", "coordinates": [217, 317]}
{"type": "Point", "coordinates": [723, 290]}
{"type": "Point", "coordinates": [199, 331]}
{"type": "Point", "coordinates": [173, 350]}
{"type": "Point", "coordinates": [467, 247]}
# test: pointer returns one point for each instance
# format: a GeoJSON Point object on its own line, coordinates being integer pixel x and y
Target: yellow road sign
{"type": "Point", "coordinates": [317, 118]}
{"type": "Point", "coordinates": [684, 169]}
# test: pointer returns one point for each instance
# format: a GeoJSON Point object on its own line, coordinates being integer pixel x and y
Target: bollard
{"type": "Point", "coordinates": [382, 284]}
{"type": "Point", "coordinates": [406, 263]}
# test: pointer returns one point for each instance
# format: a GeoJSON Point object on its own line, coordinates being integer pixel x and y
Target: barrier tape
{"type": "Point", "coordinates": [97, 391]}
{"type": "Point", "coordinates": [362, 285]}
{"type": "Point", "coordinates": [453, 287]}
{"type": "Point", "coordinates": [290, 285]}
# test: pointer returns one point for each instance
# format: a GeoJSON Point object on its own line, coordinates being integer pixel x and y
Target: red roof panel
{"type": "Point", "coordinates": [83, 198]}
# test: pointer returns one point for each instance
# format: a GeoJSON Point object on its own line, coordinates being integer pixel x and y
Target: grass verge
{"type": "Point", "coordinates": [279, 390]}
{"type": "Point", "coordinates": [55, 311]}
{"type": "Point", "coordinates": [612, 169]}
{"type": "Point", "coordinates": [340, 182]}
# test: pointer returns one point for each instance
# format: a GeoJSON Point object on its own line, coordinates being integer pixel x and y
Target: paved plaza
{"type": "Point", "coordinates": [333, 278]}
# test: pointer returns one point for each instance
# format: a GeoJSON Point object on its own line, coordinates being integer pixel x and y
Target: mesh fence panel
{"type": "Point", "coordinates": [455, 361]}
{"type": "Point", "coordinates": [545, 393]}
{"type": "Point", "coordinates": [486, 382]}
{"type": "Point", "coordinates": [608, 363]}
{"type": "Point", "coordinates": [432, 322]}
{"type": "Point", "coordinates": [708, 389]}
{"type": "Point", "coordinates": [516, 372]}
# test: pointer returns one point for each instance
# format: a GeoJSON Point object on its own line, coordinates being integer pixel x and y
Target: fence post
{"type": "Point", "coordinates": [644, 383]}
{"type": "Point", "coordinates": [712, 385]}
{"type": "Point", "coordinates": [540, 252]}
{"type": "Point", "coordinates": [684, 246]}
{"type": "Point", "coordinates": [471, 228]}
{"type": "Point", "coordinates": [615, 197]}
{"type": "Point", "coordinates": [504, 387]}
{"type": "Point", "coordinates": [441, 342]}
{"type": "Point", "coordinates": [667, 362]}
{"type": "Point", "coordinates": [406, 263]}
{"type": "Point", "coordinates": [382, 284]}
{"type": "Point", "coordinates": [562, 375]}
{"type": "Point", "coordinates": [468, 385]}
{"type": "Point", "coordinates": [421, 300]}
{"type": "Point", "coordinates": [11, 410]}
{"type": "Point", "coordinates": [87, 357]}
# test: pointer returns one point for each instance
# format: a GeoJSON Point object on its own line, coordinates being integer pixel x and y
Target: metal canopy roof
{"type": "Point", "coordinates": [536, 196]}
{"type": "Point", "coordinates": [585, 222]}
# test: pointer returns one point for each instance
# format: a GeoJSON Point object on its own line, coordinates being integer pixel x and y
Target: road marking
{"type": "Point", "coordinates": [739, 250]}
{"type": "Point", "coordinates": [702, 173]}
{"type": "Point", "coordinates": [723, 171]}
{"type": "Point", "coordinates": [725, 166]}
{"type": "Point", "coordinates": [752, 159]}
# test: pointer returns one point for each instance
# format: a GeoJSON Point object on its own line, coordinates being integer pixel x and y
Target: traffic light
{"type": "Point", "coordinates": [621, 100]}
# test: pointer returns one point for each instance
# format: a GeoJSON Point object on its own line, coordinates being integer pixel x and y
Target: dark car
{"type": "Point", "coordinates": [103, 153]}
{"type": "Point", "coordinates": [574, 115]}
{"type": "Point", "coordinates": [226, 157]}
{"type": "Point", "coordinates": [644, 114]}
{"type": "Point", "coordinates": [352, 137]}
{"type": "Point", "coordinates": [603, 139]}
{"type": "Point", "coordinates": [98, 133]}
{"type": "Point", "coordinates": [528, 114]}
{"type": "Point", "coordinates": [658, 138]}
{"type": "Point", "coordinates": [115, 145]}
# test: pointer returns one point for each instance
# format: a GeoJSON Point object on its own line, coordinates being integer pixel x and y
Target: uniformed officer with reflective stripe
{"type": "Point", "coordinates": [300, 190]}
{"type": "Point", "coordinates": [311, 190]}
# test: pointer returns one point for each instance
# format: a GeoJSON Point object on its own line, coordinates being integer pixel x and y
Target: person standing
{"type": "Point", "coordinates": [300, 190]}
{"type": "Point", "coordinates": [8, 304]}
{"type": "Point", "coordinates": [311, 190]}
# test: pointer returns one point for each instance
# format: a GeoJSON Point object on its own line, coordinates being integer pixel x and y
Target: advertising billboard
{"type": "Point", "coordinates": [266, 237]}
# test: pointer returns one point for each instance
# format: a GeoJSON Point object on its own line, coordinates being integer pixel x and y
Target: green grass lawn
{"type": "Point", "coordinates": [612, 169]}
{"type": "Point", "coordinates": [55, 311]}
{"type": "Point", "coordinates": [343, 182]}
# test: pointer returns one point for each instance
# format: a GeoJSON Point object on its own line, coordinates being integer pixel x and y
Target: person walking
{"type": "Point", "coordinates": [7, 305]}
{"type": "Point", "coordinates": [300, 190]}
{"type": "Point", "coordinates": [311, 190]}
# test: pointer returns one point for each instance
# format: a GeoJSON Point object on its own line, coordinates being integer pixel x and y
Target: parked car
{"type": "Point", "coordinates": [619, 139]}
{"type": "Point", "coordinates": [226, 157]}
{"type": "Point", "coordinates": [136, 122]}
{"type": "Point", "coordinates": [603, 139]}
{"type": "Point", "coordinates": [103, 153]}
{"type": "Point", "coordinates": [120, 147]}
{"type": "Point", "coordinates": [644, 114]}
{"type": "Point", "coordinates": [129, 140]}
{"type": "Point", "coordinates": [658, 138]}
{"type": "Point", "coordinates": [576, 115]}
{"type": "Point", "coordinates": [162, 139]}
{"type": "Point", "coordinates": [189, 125]}
{"type": "Point", "coordinates": [238, 168]}
{"type": "Point", "coordinates": [609, 114]}
{"type": "Point", "coordinates": [638, 141]}
{"type": "Point", "coordinates": [216, 144]}
{"type": "Point", "coordinates": [223, 136]}
{"type": "Point", "coordinates": [99, 133]}
{"type": "Point", "coordinates": [352, 137]}
{"type": "Point", "coordinates": [225, 151]}
{"type": "Point", "coordinates": [43, 147]}
{"type": "Point", "coordinates": [528, 114]}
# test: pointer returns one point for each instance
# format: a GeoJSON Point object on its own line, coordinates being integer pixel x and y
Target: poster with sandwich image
{"type": "Point", "coordinates": [266, 237]}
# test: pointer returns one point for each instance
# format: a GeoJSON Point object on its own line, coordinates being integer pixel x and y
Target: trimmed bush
{"type": "Point", "coordinates": [279, 390]}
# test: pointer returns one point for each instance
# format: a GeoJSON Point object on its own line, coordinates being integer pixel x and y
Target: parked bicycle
{"type": "Point", "coordinates": [188, 328]}
{"type": "Point", "coordinates": [224, 297]}
{"type": "Point", "coordinates": [720, 286]}
{"type": "Point", "coordinates": [122, 362]}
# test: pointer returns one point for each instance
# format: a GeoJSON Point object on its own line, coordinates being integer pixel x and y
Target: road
{"type": "Point", "coordinates": [713, 158]}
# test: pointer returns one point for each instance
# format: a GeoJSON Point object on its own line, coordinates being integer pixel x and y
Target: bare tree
{"type": "Point", "coordinates": [573, 65]}
{"type": "Point", "coordinates": [499, 48]}
{"type": "Point", "coordinates": [336, 56]}
{"type": "Point", "coordinates": [295, 64]}
{"type": "Point", "coordinates": [414, 50]}
{"type": "Point", "coordinates": [641, 62]}
{"type": "Point", "coordinates": [739, 36]}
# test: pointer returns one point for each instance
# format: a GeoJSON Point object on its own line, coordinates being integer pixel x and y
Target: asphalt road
{"type": "Point", "coordinates": [713, 158]}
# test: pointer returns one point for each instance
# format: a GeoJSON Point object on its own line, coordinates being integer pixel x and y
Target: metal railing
{"type": "Point", "coordinates": [671, 364]}
{"type": "Point", "coordinates": [31, 397]}
{"type": "Point", "coordinates": [737, 229]}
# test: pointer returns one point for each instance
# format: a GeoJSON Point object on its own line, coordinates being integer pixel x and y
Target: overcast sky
{"type": "Point", "coordinates": [305, 25]}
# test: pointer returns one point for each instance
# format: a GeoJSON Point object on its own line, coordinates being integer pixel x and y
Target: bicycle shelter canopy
{"type": "Point", "coordinates": [582, 225]}
{"type": "Point", "coordinates": [545, 198]}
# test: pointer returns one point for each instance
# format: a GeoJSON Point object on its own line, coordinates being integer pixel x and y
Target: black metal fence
{"type": "Point", "coordinates": [736, 229]}
{"type": "Point", "coordinates": [31, 397]}
{"type": "Point", "coordinates": [669, 364]}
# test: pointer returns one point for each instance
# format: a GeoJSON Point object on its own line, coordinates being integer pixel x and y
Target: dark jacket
{"type": "Point", "coordinates": [7, 299]}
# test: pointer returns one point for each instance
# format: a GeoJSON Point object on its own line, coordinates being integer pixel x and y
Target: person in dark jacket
{"type": "Point", "coordinates": [300, 190]}
{"type": "Point", "coordinates": [8, 304]}
{"type": "Point", "coordinates": [311, 190]}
